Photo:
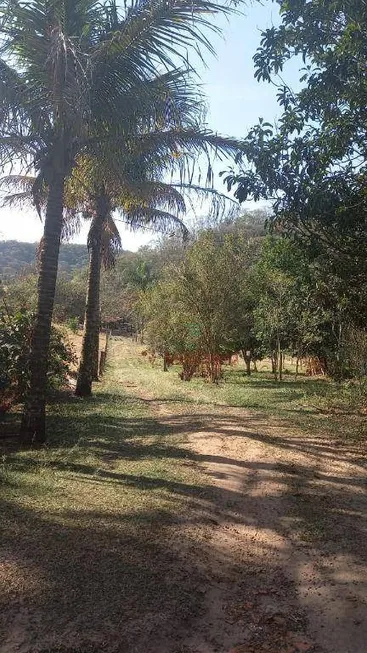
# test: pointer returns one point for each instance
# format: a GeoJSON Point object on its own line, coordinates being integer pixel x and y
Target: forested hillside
{"type": "Point", "coordinates": [17, 257]}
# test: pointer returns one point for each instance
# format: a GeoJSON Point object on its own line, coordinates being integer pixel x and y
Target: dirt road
{"type": "Point", "coordinates": [282, 541]}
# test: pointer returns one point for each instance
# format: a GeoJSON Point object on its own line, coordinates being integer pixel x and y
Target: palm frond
{"type": "Point", "coordinates": [17, 200]}
{"type": "Point", "coordinates": [72, 223]}
{"type": "Point", "coordinates": [216, 204]}
{"type": "Point", "coordinates": [145, 104]}
{"type": "Point", "coordinates": [18, 149]}
{"type": "Point", "coordinates": [194, 141]}
{"type": "Point", "coordinates": [154, 35]}
{"type": "Point", "coordinates": [18, 101]}
{"type": "Point", "coordinates": [25, 191]}
{"type": "Point", "coordinates": [158, 31]}
{"type": "Point", "coordinates": [111, 243]}
{"type": "Point", "coordinates": [190, 154]}
{"type": "Point", "coordinates": [17, 183]}
{"type": "Point", "coordinates": [54, 80]}
{"type": "Point", "coordinates": [154, 219]}
{"type": "Point", "coordinates": [153, 154]}
{"type": "Point", "coordinates": [147, 193]}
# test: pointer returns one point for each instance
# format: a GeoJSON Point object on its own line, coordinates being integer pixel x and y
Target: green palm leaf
{"type": "Point", "coordinates": [154, 219]}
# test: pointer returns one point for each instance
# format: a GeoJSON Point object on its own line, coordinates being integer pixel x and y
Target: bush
{"type": "Point", "coordinates": [354, 353]}
{"type": "Point", "coordinates": [15, 339]}
{"type": "Point", "coordinates": [73, 324]}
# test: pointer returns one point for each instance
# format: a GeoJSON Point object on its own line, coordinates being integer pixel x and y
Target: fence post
{"type": "Point", "coordinates": [103, 355]}
{"type": "Point", "coordinates": [102, 362]}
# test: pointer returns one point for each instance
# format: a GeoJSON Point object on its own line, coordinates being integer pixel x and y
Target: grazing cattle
{"type": "Point", "coordinates": [196, 362]}
{"type": "Point", "coordinates": [150, 355]}
{"type": "Point", "coordinates": [315, 367]}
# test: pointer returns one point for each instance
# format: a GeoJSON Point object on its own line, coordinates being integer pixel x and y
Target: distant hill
{"type": "Point", "coordinates": [19, 258]}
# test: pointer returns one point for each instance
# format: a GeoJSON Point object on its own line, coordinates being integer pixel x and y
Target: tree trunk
{"type": "Point", "coordinates": [247, 358]}
{"type": "Point", "coordinates": [166, 361]}
{"type": "Point", "coordinates": [88, 365]}
{"type": "Point", "coordinates": [96, 349]}
{"type": "Point", "coordinates": [280, 361]}
{"type": "Point", "coordinates": [274, 365]}
{"type": "Point", "coordinates": [214, 372]}
{"type": "Point", "coordinates": [33, 429]}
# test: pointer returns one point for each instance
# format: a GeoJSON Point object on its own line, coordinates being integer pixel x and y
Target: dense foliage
{"type": "Point", "coordinates": [231, 288]}
{"type": "Point", "coordinates": [312, 164]}
{"type": "Point", "coordinates": [15, 338]}
{"type": "Point", "coordinates": [260, 295]}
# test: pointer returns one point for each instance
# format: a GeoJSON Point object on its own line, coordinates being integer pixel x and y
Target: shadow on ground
{"type": "Point", "coordinates": [134, 578]}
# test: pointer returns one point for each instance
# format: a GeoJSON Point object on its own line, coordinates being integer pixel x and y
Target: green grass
{"type": "Point", "coordinates": [89, 521]}
{"type": "Point", "coordinates": [104, 454]}
{"type": "Point", "coordinates": [306, 403]}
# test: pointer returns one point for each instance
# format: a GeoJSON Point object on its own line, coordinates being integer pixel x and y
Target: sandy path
{"type": "Point", "coordinates": [283, 545]}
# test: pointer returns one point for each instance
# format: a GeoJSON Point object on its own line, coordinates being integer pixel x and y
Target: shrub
{"type": "Point", "coordinates": [15, 339]}
{"type": "Point", "coordinates": [73, 324]}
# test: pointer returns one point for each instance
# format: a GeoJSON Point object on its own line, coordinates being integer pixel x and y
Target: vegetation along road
{"type": "Point", "coordinates": [164, 517]}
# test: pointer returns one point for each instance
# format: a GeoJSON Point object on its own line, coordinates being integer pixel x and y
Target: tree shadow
{"type": "Point", "coordinates": [111, 440]}
{"type": "Point", "coordinates": [97, 575]}
{"type": "Point", "coordinates": [134, 577]}
{"type": "Point", "coordinates": [267, 382]}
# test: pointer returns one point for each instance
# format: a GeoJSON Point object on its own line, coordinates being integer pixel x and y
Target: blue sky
{"type": "Point", "coordinates": [236, 101]}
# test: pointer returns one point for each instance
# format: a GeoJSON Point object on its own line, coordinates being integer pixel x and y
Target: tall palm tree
{"type": "Point", "coordinates": [127, 175]}
{"type": "Point", "coordinates": [66, 70]}
{"type": "Point", "coordinates": [130, 191]}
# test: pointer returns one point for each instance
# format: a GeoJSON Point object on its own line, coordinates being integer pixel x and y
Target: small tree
{"type": "Point", "coordinates": [203, 305]}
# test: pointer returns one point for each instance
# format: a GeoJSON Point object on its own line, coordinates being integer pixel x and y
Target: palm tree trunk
{"type": "Point", "coordinates": [91, 323]}
{"type": "Point", "coordinates": [96, 345]}
{"type": "Point", "coordinates": [33, 429]}
{"type": "Point", "coordinates": [90, 348]}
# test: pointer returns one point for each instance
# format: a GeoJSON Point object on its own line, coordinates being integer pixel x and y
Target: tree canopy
{"type": "Point", "coordinates": [312, 164]}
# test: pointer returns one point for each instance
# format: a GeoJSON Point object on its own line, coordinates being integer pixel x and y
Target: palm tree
{"type": "Point", "coordinates": [127, 176]}
{"type": "Point", "coordinates": [103, 242]}
{"type": "Point", "coordinates": [67, 69]}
